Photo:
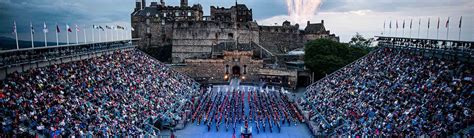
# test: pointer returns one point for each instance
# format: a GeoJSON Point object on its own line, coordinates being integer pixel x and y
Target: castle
{"type": "Point", "coordinates": [183, 35]}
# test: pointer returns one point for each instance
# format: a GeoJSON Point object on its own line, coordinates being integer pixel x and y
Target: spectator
{"type": "Point", "coordinates": [393, 92]}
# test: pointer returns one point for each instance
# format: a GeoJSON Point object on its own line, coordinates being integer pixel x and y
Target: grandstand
{"type": "Point", "coordinates": [102, 89]}
{"type": "Point", "coordinates": [114, 89]}
{"type": "Point", "coordinates": [407, 86]}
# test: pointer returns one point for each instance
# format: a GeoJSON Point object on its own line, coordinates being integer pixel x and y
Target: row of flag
{"type": "Point", "coordinates": [69, 29]}
{"type": "Point", "coordinates": [419, 23]}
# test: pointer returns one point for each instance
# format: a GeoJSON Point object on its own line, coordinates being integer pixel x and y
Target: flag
{"type": "Point", "coordinates": [14, 27]}
{"type": "Point", "coordinates": [108, 27]}
{"type": "Point", "coordinates": [390, 25]}
{"type": "Point", "coordinates": [120, 27]}
{"type": "Point", "coordinates": [403, 24]}
{"type": "Point", "coordinates": [428, 23]}
{"type": "Point", "coordinates": [384, 24]}
{"type": "Point", "coordinates": [77, 28]}
{"type": "Point", "coordinates": [447, 23]}
{"type": "Point", "coordinates": [45, 29]}
{"type": "Point", "coordinates": [32, 29]}
{"type": "Point", "coordinates": [460, 22]}
{"type": "Point", "coordinates": [438, 22]}
{"type": "Point", "coordinates": [411, 23]}
{"type": "Point", "coordinates": [68, 28]}
{"type": "Point", "coordinates": [57, 29]}
{"type": "Point", "coordinates": [397, 24]}
{"type": "Point", "coordinates": [133, 29]}
{"type": "Point", "coordinates": [101, 28]}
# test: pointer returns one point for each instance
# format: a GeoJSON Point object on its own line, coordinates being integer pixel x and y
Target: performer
{"type": "Point", "coordinates": [208, 126]}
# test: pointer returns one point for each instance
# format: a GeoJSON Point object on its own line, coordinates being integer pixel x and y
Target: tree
{"type": "Point", "coordinates": [359, 41]}
{"type": "Point", "coordinates": [325, 56]}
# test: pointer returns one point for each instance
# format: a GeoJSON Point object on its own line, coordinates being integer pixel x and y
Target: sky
{"type": "Point", "coordinates": [344, 18]}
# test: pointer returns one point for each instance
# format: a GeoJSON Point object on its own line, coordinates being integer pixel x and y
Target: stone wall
{"type": "Point", "coordinates": [280, 42]}
{"type": "Point", "coordinates": [196, 39]}
{"type": "Point", "coordinates": [214, 70]}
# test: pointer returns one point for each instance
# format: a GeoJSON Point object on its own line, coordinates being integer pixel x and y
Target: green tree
{"type": "Point", "coordinates": [325, 56]}
{"type": "Point", "coordinates": [359, 41]}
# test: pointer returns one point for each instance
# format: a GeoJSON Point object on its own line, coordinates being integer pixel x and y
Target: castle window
{"type": "Point", "coordinates": [226, 69]}
{"type": "Point", "coordinates": [163, 22]}
{"type": "Point", "coordinates": [148, 30]}
{"type": "Point", "coordinates": [245, 69]}
{"type": "Point", "coordinates": [147, 21]}
{"type": "Point", "coordinates": [230, 35]}
{"type": "Point", "coordinates": [164, 14]}
{"type": "Point", "coordinates": [176, 13]}
{"type": "Point", "coordinates": [189, 13]}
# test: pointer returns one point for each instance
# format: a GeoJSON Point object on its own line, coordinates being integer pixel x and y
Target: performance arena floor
{"type": "Point", "coordinates": [194, 131]}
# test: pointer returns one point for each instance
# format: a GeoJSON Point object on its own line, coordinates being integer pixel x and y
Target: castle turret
{"type": "Point", "coordinates": [184, 3]}
{"type": "Point", "coordinates": [140, 5]}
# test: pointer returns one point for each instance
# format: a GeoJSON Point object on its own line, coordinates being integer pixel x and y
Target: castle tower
{"type": "Point", "coordinates": [140, 5]}
{"type": "Point", "coordinates": [184, 3]}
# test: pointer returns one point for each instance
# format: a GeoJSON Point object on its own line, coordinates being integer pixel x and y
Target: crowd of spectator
{"type": "Point", "coordinates": [393, 92]}
{"type": "Point", "coordinates": [102, 96]}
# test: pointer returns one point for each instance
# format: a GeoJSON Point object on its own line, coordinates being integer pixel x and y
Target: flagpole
{"type": "Point", "coordinates": [419, 27]}
{"type": "Point", "coordinates": [428, 30]}
{"type": "Point", "coordinates": [396, 29]}
{"type": "Point", "coordinates": [16, 35]}
{"type": "Point", "coordinates": [44, 31]}
{"type": "Point", "coordinates": [390, 30]}
{"type": "Point", "coordinates": [403, 29]}
{"type": "Point", "coordinates": [117, 33]}
{"type": "Point", "coordinates": [437, 33]}
{"type": "Point", "coordinates": [32, 37]}
{"type": "Point", "coordinates": [67, 34]}
{"type": "Point", "coordinates": [437, 29]}
{"type": "Point", "coordinates": [85, 36]}
{"type": "Point", "coordinates": [93, 32]}
{"type": "Point", "coordinates": [106, 37]}
{"type": "Point", "coordinates": [411, 25]}
{"type": "Point", "coordinates": [100, 36]}
{"type": "Point", "coordinates": [447, 31]}
{"type": "Point", "coordinates": [57, 38]}
{"type": "Point", "coordinates": [459, 34]}
{"type": "Point", "coordinates": [77, 40]}
{"type": "Point", "coordinates": [460, 27]}
{"type": "Point", "coordinates": [384, 22]}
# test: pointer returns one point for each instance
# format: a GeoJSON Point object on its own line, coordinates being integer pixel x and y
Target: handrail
{"type": "Point", "coordinates": [70, 45]}
{"type": "Point", "coordinates": [266, 50]}
{"type": "Point", "coordinates": [67, 56]}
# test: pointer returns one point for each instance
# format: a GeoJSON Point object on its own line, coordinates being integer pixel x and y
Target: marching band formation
{"type": "Point", "coordinates": [265, 109]}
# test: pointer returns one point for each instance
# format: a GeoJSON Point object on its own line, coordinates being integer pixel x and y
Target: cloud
{"type": "Point", "coordinates": [370, 24]}
{"type": "Point", "coordinates": [346, 17]}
